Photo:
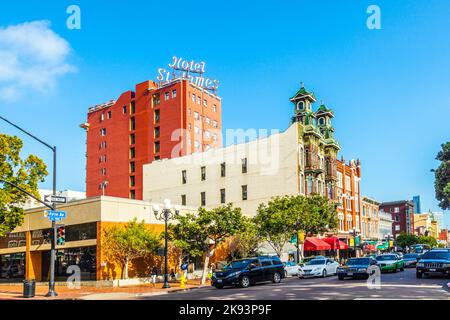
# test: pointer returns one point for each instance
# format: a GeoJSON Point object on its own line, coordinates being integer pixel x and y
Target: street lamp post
{"type": "Point", "coordinates": [388, 237]}
{"type": "Point", "coordinates": [51, 285]}
{"type": "Point", "coordinates": [165, 214]}
{"type": "Point", "coordinates": [354, 233]}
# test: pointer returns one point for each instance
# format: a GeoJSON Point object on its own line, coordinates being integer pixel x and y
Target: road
{"type": "Point", "coordinates": [401, 285]}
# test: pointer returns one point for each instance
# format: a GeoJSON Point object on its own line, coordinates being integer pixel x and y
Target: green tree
{"type": "Point", "coordinates": [286, 216]}
{"type": "Point", "coordinates": [406, 240]}
{"type": "Point", "coordinates": [132, 241]}
{"type": "Point", "coordinates": [247, 242]}
{"type": "Point", "coordinates": [25, 173]}
{"type": "Point", "coordinates": [273, 222]}
{"type": "Point", "coordinates": [442, 177]}
{"type": "Point", "coordinates": [199, 235]}
{"type": "Point", "coordinates": [432, 242]}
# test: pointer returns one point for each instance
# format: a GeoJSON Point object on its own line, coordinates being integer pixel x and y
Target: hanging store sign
{"type": "Point", "coordinates": [192, 70]}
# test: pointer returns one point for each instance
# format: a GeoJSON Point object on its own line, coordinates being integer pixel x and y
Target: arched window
{"type": "Point", "coordinates": [301, 105]}
{"type": "Point", "coordinates": [310, 185]}
{"type": "Point", "coordinates": [322, 121]}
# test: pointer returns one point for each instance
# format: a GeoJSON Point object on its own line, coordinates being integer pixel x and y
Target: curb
{"type": "Point", "coordinates": [150, 294]}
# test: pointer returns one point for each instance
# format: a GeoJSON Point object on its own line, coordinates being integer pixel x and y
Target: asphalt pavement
{"type": "Point", "coordinates": [392, 286]}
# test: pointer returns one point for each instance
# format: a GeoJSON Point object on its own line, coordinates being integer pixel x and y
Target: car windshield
{"type": "Point", "coordinates": [239, 264]}
{"type": "Point", "coordinates": [436, 255]}
{"type": "Point", "coordinates": [410, 256]}
{"type": "Point", "coordinates": [315, 262]}
{"type": "Point", "coordinates": [386, 258]}
{"type": "Point", "coordinates": [354, 262]}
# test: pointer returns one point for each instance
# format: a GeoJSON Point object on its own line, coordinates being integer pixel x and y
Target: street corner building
{"type": "Point", "coordinates": [25, 253]}
{"type": "Point", "coordinates": [302, 160]}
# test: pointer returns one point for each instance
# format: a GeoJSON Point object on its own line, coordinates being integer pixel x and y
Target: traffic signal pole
{"type": "Point", "coordinates": [51, 292]}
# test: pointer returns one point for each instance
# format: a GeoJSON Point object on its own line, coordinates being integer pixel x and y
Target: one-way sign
{"type": "Point", "coordinates": [55, 199]}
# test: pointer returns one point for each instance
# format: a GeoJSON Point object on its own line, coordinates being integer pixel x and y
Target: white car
{"type": "Point", "coordinates": [319, 268]}
{"type": "Point", "coordinates": [291, 269]}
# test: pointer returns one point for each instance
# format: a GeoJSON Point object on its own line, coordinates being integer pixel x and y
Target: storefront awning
{"type": "Point", "coordinates": [335, 243]}
{"type": "Point", "coordinates": [316, 244]}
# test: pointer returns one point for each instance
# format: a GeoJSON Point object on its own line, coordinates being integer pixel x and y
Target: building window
{"type": "Point", "coordinates": [203, 199]}
{"type": "Point", "coordinates": [132, 153]}
{"type": "Point", "coordinates": [205, 103]}
{"type": "Point", "coordinates": [197, 145]}
{"type": "Point", "coordinates": [222, 196]}
{"type": "Point", "coordinates": [216, 125]}
{"type": "Point", "coordinates": [364, 211]}
{"type": "Point", "coordinates": [157, 116]}
{"type": "Point", "coordinates": [215, 137]}
{"type": "Point", "coordinates": [330, 191]}
{"type": "Point", "coordinates": [102, 117]}
{"type": "Point", "coordinates": [339, 181]}
{"type": "Point", "coordinates": [199, 100]}
{"type": "Point", "coordinates": [396, 210]}
{"type": "Point", "coordinates": [157, 146]}
{"type": "Point", "coordinates": [223, 168]}
{"type": "Point", "coordinates": [397, 218]}
{"type": "Point", "coordinates": [124, 109]}
{"type": "Point", "coordinates": [156, 99]}
{"type": "Point", "coordinates": [196, 115]}
{"type": "Point", "coordinates": [347, 183]}
{"type": "Point", "coordinates": [132, 138]}
{"type": "Point", "coordinates": [166, 96]}
{"type": "Point", "coordinates": [133, 194]}
{"type": "Point", "coordinates": [174, 93]}
{"type": "Point", "coordinates": [215, 108]}
{"type": "Point", "coordinates": [109, 114]}
{"type": "Point", "coordinates": [103, 132]}
{"type": "Point", "coordinates": [132, 124]}
{"type": "Point", "coordinates": [244, 193]}
{"type": "Point", "coordinates": [310, 185]}
{"type": "Point", "coordinates": [183, 199]}
{"type": "Point", "coordinates": [244, 165]}
{"type": "Point", "coordinates": [193, 97]}
{"type": "Point", "coordinates": [207, 120]}
{"type": "Point", "coordinates": [132, 167]}
{"type": "Point", "coordinates": [133, 107]}
{"type": "Point", "coordinates": [132, 181]}
{"type": "Point", "coordinates": [207, 135]}
{"type": "Point", "coordinates": [203, 173]}
{"type": "Point", "coordinates": [184, 177]}
{"type": "Point", "coordinates": [196, 130]}
{"type": "Point", "coordinates": [157, 132]}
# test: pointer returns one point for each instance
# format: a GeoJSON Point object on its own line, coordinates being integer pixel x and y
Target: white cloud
{"type": "Point", "coordinates": [32, 56]}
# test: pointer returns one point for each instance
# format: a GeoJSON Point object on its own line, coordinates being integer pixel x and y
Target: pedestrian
{"type": "Point", "coordinates": [184, 268]}
{"type": "Point", "coordinates": [154, 275]}
{"type": "Point", "coordinates": [172, 275]}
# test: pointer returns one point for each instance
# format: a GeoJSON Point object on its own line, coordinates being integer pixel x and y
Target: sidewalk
{"type": "Point", "coordinates": [15, 292]}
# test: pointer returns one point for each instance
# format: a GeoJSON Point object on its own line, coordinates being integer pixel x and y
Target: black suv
{"type": "Point", "coordinates": [436, 261]}
{"type": "Point", "coordinates": [246, 272]}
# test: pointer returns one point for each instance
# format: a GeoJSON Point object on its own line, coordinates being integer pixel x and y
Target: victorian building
{"type": "Point", "coordinates": [299, 161]}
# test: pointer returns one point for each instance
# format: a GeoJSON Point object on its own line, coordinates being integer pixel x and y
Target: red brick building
{"type": "Point", "coordinates": [151, 123]}
{"type": "Point", "coordinates": [402, 215]}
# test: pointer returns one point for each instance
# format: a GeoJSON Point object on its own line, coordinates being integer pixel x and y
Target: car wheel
{"type": "Point", "coordinates": [244, 282]}
{"type": "Point", "coordinates": [402, 269]}
{"type": "Point", "coordinates": [341, 277]}
{"type": "Point", "coordinates": [276, 278]}
{"type": "Point", "coordinates": [324, 273]}
{"type": "Point", "coordinates": [219, 286]}
{"type": "Point", "coordinates": [285, 274]}
{"type": "Point", "coordinates": [395, 270]}
{"type": "Point", "coordinates": [419, 275]}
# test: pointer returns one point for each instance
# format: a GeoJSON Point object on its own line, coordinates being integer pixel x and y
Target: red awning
{"type": "Point", "coordinates": [371, 247]}
{"type": "Point", "coordinates": [335, 243]}
{"type": "Point", "coordinates": [343, 245]}
{"type": "Point", "coordinates": [316, 244]}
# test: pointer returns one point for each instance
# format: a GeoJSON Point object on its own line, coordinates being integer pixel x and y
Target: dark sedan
{"type": "Point", "coordinates": [358, 268]}
{"type": "Point", "coordinates": [434, 262]}
{"type": "Point", "coordinates": [411, 259]}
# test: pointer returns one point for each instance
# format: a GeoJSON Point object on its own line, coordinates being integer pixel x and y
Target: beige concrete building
{"type": "Point", "coordinates": [384, 224]}
{"type": "Point", "coordinates": [369, 218]}
{"type": "Point", "coordinates": [426, 224]}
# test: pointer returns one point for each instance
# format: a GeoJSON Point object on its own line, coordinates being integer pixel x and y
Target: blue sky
{"type": "Point", "coordinates": [389, 88]}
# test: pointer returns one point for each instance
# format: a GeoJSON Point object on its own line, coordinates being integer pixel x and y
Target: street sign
{"type": "Point", "coordinates": [56, 215]}
{"type": "Point", "coordinates": [55, 199]}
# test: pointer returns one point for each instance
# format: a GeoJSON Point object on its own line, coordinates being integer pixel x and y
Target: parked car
{"type": "Point", "coordinates": [390, 262]}
{"type": "Point", "coordinates": [245, 272]}
{"type": "Point", "coordinates": [358, 268]}
{"type": "Point", "coordinates": [291, 269]}
{"type": "Point", "coordinates": [319, 267]}
{"type": "Point", "coordinates": [411, 259]}
{"type": "Point", "coordinates": [436, 261]}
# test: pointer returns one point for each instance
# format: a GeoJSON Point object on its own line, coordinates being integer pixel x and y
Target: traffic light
{"type": "Point", "coordinates": [61, 236]}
